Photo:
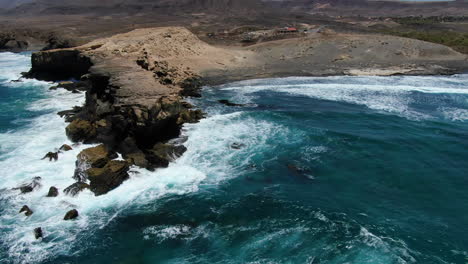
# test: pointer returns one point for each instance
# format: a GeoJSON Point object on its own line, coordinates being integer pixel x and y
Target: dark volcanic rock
{"type": "Point", "coordinates": [237, 145]}
{"type": "Point", "coordinates": [81, 130]}
{"type": "Point", "coordinates": [190, 116]}
{"type": "Point", "coordinates": [26, 210]}
{"type": "Point", "coordinates": [76, 188]}
{"type": "Point", "coordinates": [161, 154]}
{"type": "Point", "coordinates": [53, 192]}
{"type": "Point", "coordinates": [70, 115]}
{"type": "Point", "coordinates": [72, 86]}
{"type": "Point", "coordinates": [58, 65]}
{"type": "Point", "coordinates": [102, 180]}
{"type": "Point", "coordinates": [70, 215]}
{"type": "Point", "coordinates": [138, 159]}
{"type": "Point", "coordinates": [55, 42]}
{"type": "Point", "coordinates": [29, 187]}
{"type": "Point", "coordinates": [66, 147]}
{"type": "Point", "coordinates": [191, 87]}
{"type": "Point", "coordinates": [38, 233]}
{"type": "Point", "coordinates": [228, 103]}
{"type": "Point", "coordinates": [96, 157]}
{"type": "Point", "coordinates": [51, 156]}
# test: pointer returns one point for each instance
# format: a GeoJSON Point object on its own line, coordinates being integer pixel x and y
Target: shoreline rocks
{"type": "Point", "coordinates": [26, 210]}
{"type": "Point", "coordinates": [65, 147]}
{"type": "Point", "coordinates": [38, 233]}
{"type": "Point", "coordinates": [58, 65]}
{"type": "Point", "coordinates": [29, 187]}
{"type": "Point", "coordinates": [81, 130]}
{"type": "Point", "coordinates": [76, 188]}
{"type": "Point", "coordinates": [105, 179]}
{"type": "Point", "coordinates": [116, 114]}
{"type": "Point", "coordinates": [52, 156]}
{"type": "Point", "coordinates": [70, 215]}
{"type": "Point", "coordinates": [53, 192]}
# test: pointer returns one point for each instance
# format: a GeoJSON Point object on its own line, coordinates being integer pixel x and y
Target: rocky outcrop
{"type": "Point", "coordinates": [65, 147]}
{"type": "Point", "coordinates": [81, 131]}
{"type": "Point", "coordinates": [135, 118]}
{"type": "Point", "coordinates": [53, 192]}
{"type": "Point", "coordinates": [52, 156]}
{"type": "Point", "coordinates": [29, 187]}
{"type": "Point", "coordinates": [102, 180]}
{"type": "Point", "coordinates": [38, 233]}
{"type": "Point", "coordinates": [71, 114]}
{"type": "Point", "coordinates": [70, 215]}
{"type": "Point", "coordinates": [74, 87]}
{"type": "Point", "coordinates": [162, 154]}
{"type": "Point", "coordinates": [26, 210]}
{"type": "Point", "coordinates": [76, 188]}
{"type": "Point", "coordinates": [191, 86]}
{"type": "Point", "coordinates": [58, 65]}
{"type": "Point", "coordinates": [96, 157]}
{"type": "Point", "coordinates": [229, 103]}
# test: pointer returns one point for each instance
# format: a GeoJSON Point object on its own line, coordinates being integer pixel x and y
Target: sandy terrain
{"type": "Point", "coordinates": [146, 64]}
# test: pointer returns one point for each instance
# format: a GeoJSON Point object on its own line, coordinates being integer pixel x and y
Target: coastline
{"type": "Point", "coordinates": [123, 191]}
{"type": "Point", "coordinates": [135, 89]}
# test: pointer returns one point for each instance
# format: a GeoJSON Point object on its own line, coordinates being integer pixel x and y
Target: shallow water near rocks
{"type": "Point", "coordinates": [309, 170]}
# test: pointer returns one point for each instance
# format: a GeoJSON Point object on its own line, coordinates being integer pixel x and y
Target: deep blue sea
{"type": "Point", "coordinates": [309, 170]}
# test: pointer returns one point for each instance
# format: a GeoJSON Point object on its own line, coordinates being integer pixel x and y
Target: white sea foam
{"type": "Point", "coordinates": [455, 114]}
{"type": "Point", "coordinates": [15, 63]}
{"type": "Point", "coordinates": [389, 94]}
{"type": "Point", "coordinates": [165, 232]}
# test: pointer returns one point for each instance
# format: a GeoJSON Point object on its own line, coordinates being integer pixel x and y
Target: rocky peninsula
{"type": "Point", "coordinates": [136, 82]}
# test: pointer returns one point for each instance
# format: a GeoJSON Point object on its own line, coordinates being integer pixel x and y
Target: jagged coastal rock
{"type": "Point", "coordinates": [29, 187]}
{"type": "Point", "coordinates": [38, 233]}
{"type": "Point", "coordinates": [102, 180]}
{"type": "Point", "coordinates": [70, 215]}
{"type": "Point", "coordinates": [134, 102]}
{"type": "Point", "coordinates": [26, 210]}
{"type": "Point", "coordinates": [53, 192]}
{"type": "Point", "coordinates": [76, 188]}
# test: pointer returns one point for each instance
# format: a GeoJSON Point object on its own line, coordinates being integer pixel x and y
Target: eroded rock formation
{"type": "Point", "coordinates": [134, 104]}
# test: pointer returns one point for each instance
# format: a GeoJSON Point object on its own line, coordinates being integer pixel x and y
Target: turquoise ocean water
{"type": "Point", "coordinates": [309, 170]}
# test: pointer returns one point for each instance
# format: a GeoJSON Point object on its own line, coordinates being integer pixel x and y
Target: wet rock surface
{"type": "Point", "coordinates": [26, 210]}
{"type": "Point", "coordinates": [71, 86]}
{"type": "Point", "coordinates": [52, 156]}
{"type": "Point", "coordinates": [97, 156]}
{"type": "Point", "coordinates": [70, 215]}
{"type": "Point", "coordinates": [105, 179]}
{"type": "Point", "coordinates": [58, 65]}
{"type": "Point", "coordinates": [29, 187]}
{"type": "Point", "coordinates": [38, 233]}
{"type": "Point", "coordinates": [162, 154]}
{"type": "Point", "coordinates": [53, 192]}
{"type": "Point", "coordinates": [65, 147]}
{"type": "Point", "coordinates": [229, 103]}
{"type": "Point", "coordinates": [81, 130]}
{"type": "Point", "coordinates": [76, 188]}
